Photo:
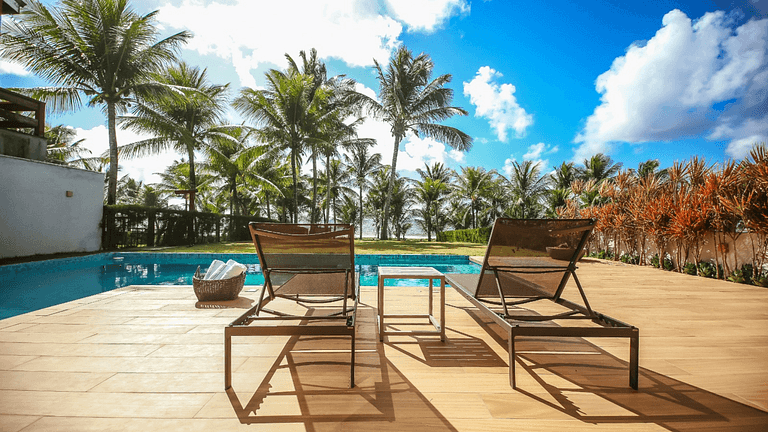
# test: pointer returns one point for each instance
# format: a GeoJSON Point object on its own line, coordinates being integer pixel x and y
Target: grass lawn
{"type": "Point", "coordinates": [361, 246]}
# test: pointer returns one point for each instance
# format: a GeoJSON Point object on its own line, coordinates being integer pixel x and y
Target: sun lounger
{"type": "Point", "coordinates": [310, 286]}
{"type": "Point", "coordinates": [531, 260]}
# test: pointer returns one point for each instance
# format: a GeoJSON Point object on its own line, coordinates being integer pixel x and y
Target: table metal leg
{"type": "Point", "coordinates": [442, 310]}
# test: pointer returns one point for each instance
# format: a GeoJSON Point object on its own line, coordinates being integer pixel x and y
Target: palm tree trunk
{"type": "Point", "coordinates": [266, 199]}
{"type": "Point", "coordinates": [112, 185]}
{"type": "Point", "coordinates": [328, 194]}
{"type": "Point", "coordinates": [295, 187]}
{"type": "Point", "coordinates": [385, 223]}
{"type": "Point", "coordinates": [360, 186]}
{"type": "Point", "coordinates": [313, 212]}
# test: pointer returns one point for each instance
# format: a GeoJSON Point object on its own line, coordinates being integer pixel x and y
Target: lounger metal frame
{"type": "Point", "coordinates": [342, 323]}
{"type": "Point", "coordinates": [520, 325]}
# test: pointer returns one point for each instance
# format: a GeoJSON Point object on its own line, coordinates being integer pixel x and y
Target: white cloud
{"type": "Point", "coordinates": [7, 67]}
{"type": "Point", "coordinates": [249, 33]}
{"type": "Point", "coordinates": [669, 87]}
{"type": "Point", "coordinates": [535, 154]}
{"type": "Point", "coordinates": [750, 132]}
{"type": "Point", "coordinates": [497, 103]}
{"type": "Point", "coordinates": [419, 151]}
{"type": "Point", "coordinates": [426, 15]}
{"type": "Point", "coordinates": [144, 168]}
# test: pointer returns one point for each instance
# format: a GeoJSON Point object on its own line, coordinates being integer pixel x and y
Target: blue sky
{"type": "Point", "coordinates": [544, 81]}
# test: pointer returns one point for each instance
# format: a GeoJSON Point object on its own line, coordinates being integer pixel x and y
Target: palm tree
{"type": "Point", "coordinates": [64, 150]}
{"type": "Point", "coordinates": [283, 111]}
{"type": "Point", "coordinates": [474, 184]}
{"type": "Point", "coordinates": [362, 165]}
{"type": "Point", "coordinates": [100, 49]}
{"type": "Point", "coordinates": [325, 129]}
{"type": "Point", "coordinates": [599, 168]}
{"type": "Point", "coordinates": [347, 210]}
{"type": "Point", "coordinates": [413, 102]}
{"type": "Point", "coordinates": [176, 177]}
{"type": "Point", "coordinates": [183, 122]}
{"type": "Point", "coordinates": [527, 187]}
{"type": "Point", "coordinates": [564, 175]}
{"type": "Point", "coordinates": [335, 176]}
{"type": "Point", "coordinates": [239, 165]}
{"type": "Point", "coordinates": [431, 190]}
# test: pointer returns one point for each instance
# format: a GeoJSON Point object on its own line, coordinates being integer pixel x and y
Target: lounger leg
{"type": "Point", "coordinates": [634, 348]}
{"type": "Point", "coordinates": [227, 359]}
{"type": "Point", "coordinates": [512, 357]}
{"type": "Point", "coordinates": [352, 360]}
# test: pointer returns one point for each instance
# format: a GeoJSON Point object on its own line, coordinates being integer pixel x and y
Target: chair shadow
{"type": "Point", "coordinates": [312, 389]}
{"type": "Point", "coordinates": [238, 303]}
{"type": "Point", "coordinates": [597, 388]}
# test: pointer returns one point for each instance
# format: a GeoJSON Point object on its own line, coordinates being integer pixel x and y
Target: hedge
{"type": "Point", "coordinates": [478, 235]}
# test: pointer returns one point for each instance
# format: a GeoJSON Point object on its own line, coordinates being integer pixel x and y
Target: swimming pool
{"type": "Point", "coordinates": [36, 285]}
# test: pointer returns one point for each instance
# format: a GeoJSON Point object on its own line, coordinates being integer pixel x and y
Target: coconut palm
{"type": "Point", "coordinates": [64, 150]}
{"type": "Point", "coordinates": [431, 190]}
{"type": "Point", "coordinates": [412, 102]}
{"type": "Point", "coordinates": [362, 165]}
{"type": "Point", "coordinates": [430, 193]}
{"type": "Point", "coordinates": [238, 166]}
{"type": "Point", "coordinates": [335, 177]}
{"type": "Point", "coordinates": [474, 184]}
{"type": "Point", "coordinates": [325, 128]}
{"type": "Point", "coordinates": [599, 168]}
{"type": "Point", "coordinates": [98, 49]}
{"type": "Point", "coordinates": [564, 175]}
{"type": "Point", "coordinates": [283, 112]}
{"type": "Point", "coordinates": [185, 122]}
{"type": "Point", "coordinates": [650, 168]}
{"type": "Point", "coordinates": [527, 188]}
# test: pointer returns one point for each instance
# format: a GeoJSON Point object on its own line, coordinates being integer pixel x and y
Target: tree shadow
{"type": "Point", "coordinates": [312, 388]}
{"type": "Point", "coordinates": [588, 383]}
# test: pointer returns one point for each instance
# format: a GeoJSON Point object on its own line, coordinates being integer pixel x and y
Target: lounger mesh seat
{"type": "Point", "coordinates": [310, 285]}
{"type": "Point", "coordinates": [530, 260]}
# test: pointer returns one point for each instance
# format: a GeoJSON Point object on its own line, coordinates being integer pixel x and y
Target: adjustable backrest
{"type": "Point", "coordinates": [532, 257]}
{"type": "Point", "coordinates": [305, 259]}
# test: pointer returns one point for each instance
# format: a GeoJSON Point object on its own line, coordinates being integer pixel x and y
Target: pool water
{"type": "Point", "coordinates": [32, 286]}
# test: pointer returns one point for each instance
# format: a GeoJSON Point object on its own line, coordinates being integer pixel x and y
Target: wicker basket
{"type": "Point", "coordinates": [217, 290]}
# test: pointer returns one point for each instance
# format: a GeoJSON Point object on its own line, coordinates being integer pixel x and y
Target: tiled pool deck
{"type": "Point", "coordinates": [146, 358]}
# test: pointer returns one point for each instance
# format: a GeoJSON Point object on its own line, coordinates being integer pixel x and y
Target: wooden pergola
{"type": "Point", "coordinates": [12, 7]}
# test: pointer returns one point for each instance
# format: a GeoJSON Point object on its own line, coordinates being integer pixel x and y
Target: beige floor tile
{"type": "Point", "coordinates": [8, 362]}
{"type": "Point", "coordinates": [93, 424]}
{"type": "Point", "coordinates": [51, 381]}
{"type": "Point", "coordinates": [85, 404]}
{"type": "Point", "coordinates": [15, 423]}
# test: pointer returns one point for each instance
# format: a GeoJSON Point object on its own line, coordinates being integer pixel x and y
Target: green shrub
{"type": "Point", "coordinates": [707, 270]}
{"type": "Point", "coordinates": [655, 261]}
{"type": "Point", "coordinates": [630, 259]}
{"type": "Point", "coordinates": [689, 268]}
{"type": "Point", "coordinates": [602, 254]}
{"type": "Point", "coordinates": [479, 235]}
{"type": "Point", "coordinates": [761, 280]}
{"type": "Point", "coordinates": [668, 265]}
{"type": "Point", "coordinates": [742, 275]}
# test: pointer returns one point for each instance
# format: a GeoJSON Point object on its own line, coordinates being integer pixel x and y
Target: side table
{"type": "Point", "coordinates": [428, 273]}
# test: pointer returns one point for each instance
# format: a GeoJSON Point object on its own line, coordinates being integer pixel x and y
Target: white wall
{"type": "Point", "coordinates": [37, 217]}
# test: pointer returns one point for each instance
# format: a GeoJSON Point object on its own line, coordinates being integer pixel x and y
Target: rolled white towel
{"type": "Point", "coordinates": [231, 270]}
{"type": "Point", "coordinates": [215, 267]}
